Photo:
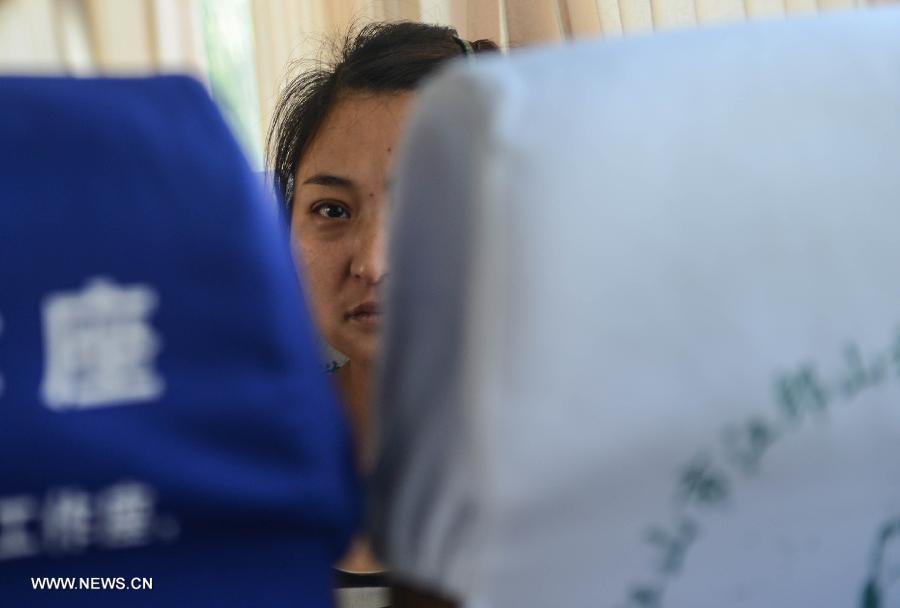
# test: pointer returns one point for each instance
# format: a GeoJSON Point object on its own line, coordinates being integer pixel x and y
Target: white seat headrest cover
{"type": "Point", "coordinates": [643, 341]}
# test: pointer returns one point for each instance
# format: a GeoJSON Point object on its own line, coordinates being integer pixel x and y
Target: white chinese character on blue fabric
{"type": "Point", "coordinates": [66, 520]}
{"type": "Point", "coordinates": [125, 515]}
{"type": "Point", "coordinates": [100, 347]}
{"type": "Point", "coordinates": [15, 538]}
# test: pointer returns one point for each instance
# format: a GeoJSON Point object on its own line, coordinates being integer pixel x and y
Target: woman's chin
{"type": "Point", "coordinates": [361, 350]}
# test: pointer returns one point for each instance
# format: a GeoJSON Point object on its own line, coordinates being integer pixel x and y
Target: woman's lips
{"type": "Point", "coordinates": [367, 313]}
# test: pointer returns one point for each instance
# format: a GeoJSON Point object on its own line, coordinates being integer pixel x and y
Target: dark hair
{"type": "Point", "coordinates": [379, 58]}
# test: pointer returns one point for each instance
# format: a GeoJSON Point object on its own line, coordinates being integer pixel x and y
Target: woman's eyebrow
{"type": "Point", "coordinates": [326, 179]}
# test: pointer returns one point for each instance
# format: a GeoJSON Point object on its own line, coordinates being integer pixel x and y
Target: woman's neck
{"type": "Point", "coordinates": [355, 381]}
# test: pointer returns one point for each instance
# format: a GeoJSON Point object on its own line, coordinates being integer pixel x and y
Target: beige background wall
{"type": "Point", "coordinates": [107, 36]}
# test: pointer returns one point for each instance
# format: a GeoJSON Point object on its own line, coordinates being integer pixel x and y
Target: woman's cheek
{"type": "Point", "coordinates": [322, 265]}
{"type": "Point", "coordinates": [308, 269]}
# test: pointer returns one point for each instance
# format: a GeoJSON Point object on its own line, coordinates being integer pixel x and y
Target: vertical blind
{"type": "Point", "coordinates": [114, 36]}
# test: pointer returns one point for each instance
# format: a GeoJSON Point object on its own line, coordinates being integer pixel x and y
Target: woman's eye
{"type": "Point", "coordinates": [331, 211]}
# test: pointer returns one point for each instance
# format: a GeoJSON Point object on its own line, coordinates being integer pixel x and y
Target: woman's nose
{"type": "Point", "coordinates": [370, 258]}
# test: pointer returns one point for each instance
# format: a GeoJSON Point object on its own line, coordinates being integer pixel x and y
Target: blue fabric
{"type": "Point", "coordinates": [237, 449]}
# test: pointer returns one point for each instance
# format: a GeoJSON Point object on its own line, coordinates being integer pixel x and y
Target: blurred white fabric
{"type": "Point", "coordinates": [642, 343]}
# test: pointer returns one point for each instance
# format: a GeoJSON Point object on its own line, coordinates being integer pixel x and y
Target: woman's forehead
{"type": "Point", "coordinates": [358, 135]}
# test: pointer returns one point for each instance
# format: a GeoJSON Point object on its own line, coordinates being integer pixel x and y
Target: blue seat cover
{"type": "Point", "coordinates": [162, 409]}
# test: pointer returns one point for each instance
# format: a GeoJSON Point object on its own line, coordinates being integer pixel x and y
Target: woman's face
{"type": "Point", "coordinates": [339, 217]}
